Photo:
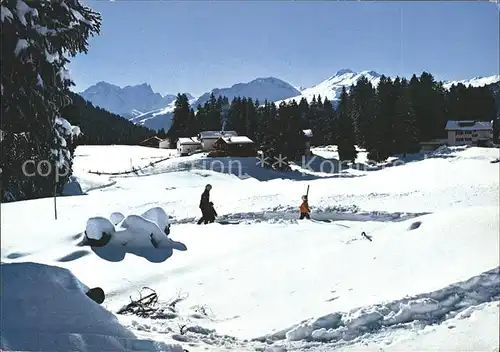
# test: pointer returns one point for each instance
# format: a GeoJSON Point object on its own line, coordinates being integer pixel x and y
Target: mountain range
{"type": "Point", "coordinates": [129, 101]}
{"type": "Point", "coordinates": [142, 106]}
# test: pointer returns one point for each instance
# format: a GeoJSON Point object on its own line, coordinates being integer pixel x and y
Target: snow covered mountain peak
{"type": "Point", "coordinates": [342, 72]}
{"type": "Point", "coordinates": [143, 86]}
{"type": "Point", "coordinates": [129, 101]}
{"type": "Point", "coordinates": [474, 82]}
{"type": "Point", "coordinates": [262, 88]}
{"type": "Point", "coordinates": [371, 73]}
{"type": "Point", "coordinates": [332, 86]}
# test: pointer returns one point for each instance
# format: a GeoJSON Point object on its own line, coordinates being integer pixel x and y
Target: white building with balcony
{"type": "Point", "coordinates": [470, 132]}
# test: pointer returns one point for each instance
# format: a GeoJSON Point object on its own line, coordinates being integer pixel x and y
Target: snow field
{"type": "Point", "coordinates": [292, 285]}
{"type": "Point", "coordinates": [45, 308]}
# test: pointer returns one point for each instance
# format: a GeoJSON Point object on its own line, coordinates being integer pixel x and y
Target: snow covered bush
{"type": "Point", "coordinates": [38, 38]}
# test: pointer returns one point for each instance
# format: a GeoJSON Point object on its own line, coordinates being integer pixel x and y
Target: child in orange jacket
{"type": "Point", "coordinates": [304, 209]}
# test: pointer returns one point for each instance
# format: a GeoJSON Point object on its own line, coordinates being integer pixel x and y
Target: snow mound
{"type": "Point", "coordinates": [116, 218]}
{"type": "Point", "coordinates": [456, 300]}
{"type": "Point", "coordinates": [45, 308]}
{"type": "Point", "coordinates": [144, 235]}
{"type": "Point", "coordinates": [72, 188]}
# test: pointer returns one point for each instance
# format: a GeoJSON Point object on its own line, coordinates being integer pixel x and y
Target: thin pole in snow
{"type": "Point", "coordinates": [55, 192]}
{"type": "Point", "coordinates": [55, 202]}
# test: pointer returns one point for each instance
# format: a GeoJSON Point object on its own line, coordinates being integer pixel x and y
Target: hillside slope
{"type": "Point", "coordinates": [100, 126]}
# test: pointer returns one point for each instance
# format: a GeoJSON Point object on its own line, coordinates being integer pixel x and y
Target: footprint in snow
{"type": "Point", "coordinates": [75, 237]}
{"type": "Point", "coordinates": [73, 256]}
{"type": "Point", "coordinates": [16, 255]}
{"type": "Point", "coordinates": [415, 225]}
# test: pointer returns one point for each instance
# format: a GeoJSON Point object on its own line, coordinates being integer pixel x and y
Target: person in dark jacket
{"type": "Point", "coordinates": [212, 213]}
{"type": "Point", "coordinates": [205, 205]}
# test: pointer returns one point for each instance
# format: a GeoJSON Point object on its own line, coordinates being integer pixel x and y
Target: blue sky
{"type": "Point", "coordinates": [194, 46]}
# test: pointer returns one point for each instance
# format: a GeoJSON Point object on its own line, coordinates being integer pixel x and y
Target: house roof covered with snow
{"type": "Point", "coordinates": [308, 133]}
{"type": "Point", "coordinates": [216, 134]}
{"type": "Point", "coordinates": [188, 141]}
{"type": "Point", "coordinates": [468, 125]}
{"type": "Point", "coordinates": [237, 140]}
{"type": "Point", "coordinates": [153, 138]}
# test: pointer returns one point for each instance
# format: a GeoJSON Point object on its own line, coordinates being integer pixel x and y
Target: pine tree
{"type": "Point", "coordinates": [304, 112]}
{"type": "Point", "coordinates": [363, 108]}
{"type": "Point", "coordinates": [273, 136]}
{"type": "Point", "coordinates": [394, 120]}
{"type": "Point", "coordinates": [320, 123]}
{"type": "Point", "coordinates": [180, 120]}
{"type": "Point", "coordinates": [235, 117]}
{"type": "Point", "coordinates": [380, 124]}
{"type": "Point", "coordinates": [250, 119]}
{"type": "Point", "coordinates": [496, 130]}
{"type": "Point", "coordinates": [426, 98]}
{"type": "Point", "coordinates": [346, 136]}
{"type": "Point", "coordinates": [312, 115]}
{"type": "Point", "coordinates": [405, 128]}
{"type": "Point", "coordinates": [213, 113]}
{"type": "Point", "coordinates": [37, 41]}
{"type": "Point", "coordinates": [330, 119]}
{"type": "Point", "coordinates": [224, 112]}
{"type": "Point", "coordinates": [201, 117]}
{"type": "Point", "coordinates": [193, 126]}
{"type": "Point", "coordinates": [294, 135]}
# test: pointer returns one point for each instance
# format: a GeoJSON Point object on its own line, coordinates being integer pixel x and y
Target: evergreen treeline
{"type": "Point", "coordinates": [391, 118]}
{"type": "Point", "coordinates": [99, 126]}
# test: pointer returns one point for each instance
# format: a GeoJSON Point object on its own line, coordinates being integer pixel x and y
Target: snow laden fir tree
{"type": "Point", "coordinates": [38, 38]}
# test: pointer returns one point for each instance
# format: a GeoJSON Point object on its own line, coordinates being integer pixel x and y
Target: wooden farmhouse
{"type": "Point", "coordinates": [237, 146]}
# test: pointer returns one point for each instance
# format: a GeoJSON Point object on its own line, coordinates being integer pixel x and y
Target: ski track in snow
{"type": "Point", "coordinates": [421, 310]}
{"type": "Point", "coordinates": [290, 214]}
{"type": "Point", "coordinates": [340, 329]}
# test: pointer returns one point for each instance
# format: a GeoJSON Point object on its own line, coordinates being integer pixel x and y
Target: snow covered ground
{"type": "Point", "coordinates": [428, 280]}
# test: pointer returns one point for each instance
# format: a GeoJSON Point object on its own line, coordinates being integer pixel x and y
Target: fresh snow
{"type": "Point", "coordinates": [21, 45]}
{"type": "Point", "coordinates": [51, 57]}
{"type": "Point", "coordinates": [427, 280]}
{"type": "Point", "coordinates": [332, 87]}
{"type": "Point", "coordinates": [22, 10]}
{"type": "Point", "coordinates": [5, 13]}
{"type": "Point", "coordinates": [474, 82]}
{"type": "Point", "coordinates": [44, 308]}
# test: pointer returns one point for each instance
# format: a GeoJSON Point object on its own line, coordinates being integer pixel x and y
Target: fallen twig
{"type": "Point", "coordinates": [149, 306]}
